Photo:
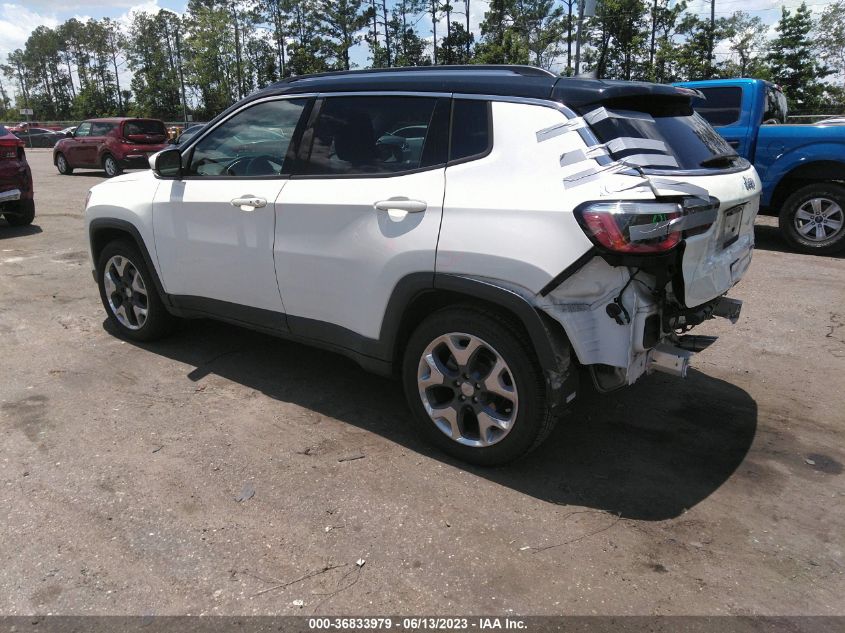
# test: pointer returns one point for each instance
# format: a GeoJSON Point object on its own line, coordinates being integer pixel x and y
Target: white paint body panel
{"type": "Point", "coordinates": [209, 248]}
{"type": "Point", "coordinates": [709, 269]}
{"type": "Point", "coordinates": [507, 216]}
{"type": "Point", "coordinates": [338, 258]}
{"type": "Point", "coordinates": [128, 197]}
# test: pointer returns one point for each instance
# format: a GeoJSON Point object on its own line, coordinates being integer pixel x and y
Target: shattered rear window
{"type": "Point", "coordinates": [668, 137]}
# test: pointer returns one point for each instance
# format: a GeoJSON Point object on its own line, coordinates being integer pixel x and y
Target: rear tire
{"type": "Point", "coordinates": [62, 165]}
{"type": "Point", "coordinates": [24, 215]}
{"type": "Point", "coordinates": [129, 294]}
{"type": "Point", "coordinates": [111, 166]}
{"type": "Point", "coordinates": [474, 386]}
{"type": "Point", "coordinates": [812, 219]}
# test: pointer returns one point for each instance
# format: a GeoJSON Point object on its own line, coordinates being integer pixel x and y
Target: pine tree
{"type": "Point", "coordinates": [793, 60]}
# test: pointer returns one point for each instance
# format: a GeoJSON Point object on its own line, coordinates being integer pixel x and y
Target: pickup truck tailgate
{"type": "Point", "coordinates": [716, 259]}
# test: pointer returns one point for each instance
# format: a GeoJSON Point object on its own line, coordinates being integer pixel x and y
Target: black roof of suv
{"type": "Point", "coordinates": [504, 80]}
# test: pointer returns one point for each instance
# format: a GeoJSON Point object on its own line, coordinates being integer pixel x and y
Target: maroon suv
{"type": "Point", "coordinates": [111, 145]}
{"type": "Point", "coordinates": [16, 203]}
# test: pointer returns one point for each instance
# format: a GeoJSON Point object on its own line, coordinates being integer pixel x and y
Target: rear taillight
{"type": "Point", "coordinates": [9, 149]}
{"type": "Point", "coordinates": [645, 226]}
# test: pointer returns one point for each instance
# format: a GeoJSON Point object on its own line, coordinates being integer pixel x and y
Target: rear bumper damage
{"type": "Point", "coordinates": [621, 326]}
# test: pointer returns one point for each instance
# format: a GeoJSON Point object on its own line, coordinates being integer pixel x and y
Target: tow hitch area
{"type": "Point", "coordinates": [669, 359]}
{"type": "Point", "coordinates": [728, 309]}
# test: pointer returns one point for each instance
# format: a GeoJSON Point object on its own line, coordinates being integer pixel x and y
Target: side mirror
{"type": "Point", "coordinates": [167, 163]}
{"type": "Point", "coordinates": [68, 134]}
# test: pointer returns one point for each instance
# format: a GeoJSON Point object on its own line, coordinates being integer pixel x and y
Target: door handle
{"type": "Point", "coordinates": [401, 204]}
{"type": "Point", "coordinates": [249, 203]}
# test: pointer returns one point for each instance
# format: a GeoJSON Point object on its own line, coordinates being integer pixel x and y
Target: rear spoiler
{"type": "Point", "coordinates": [583, 95]}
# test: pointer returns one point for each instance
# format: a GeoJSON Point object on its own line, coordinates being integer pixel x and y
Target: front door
{"type": "Point", "coordinates": [362, 212]}
{"type": "Point", "coordinates": [214, 228]}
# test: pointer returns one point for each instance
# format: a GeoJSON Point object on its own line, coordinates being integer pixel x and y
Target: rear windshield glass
{"type": "Point", "coordinates": [143, 127]}
{"type": "Point", "coordinates": [721, 105]}
{"type": "Point", "coordinates": [661, 139]}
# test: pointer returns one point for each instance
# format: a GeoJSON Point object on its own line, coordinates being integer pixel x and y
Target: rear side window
{"type": "Point", "coordinates": [669, 136]}
{"type": "Point", "coordinates": [374, 135]}
{"type": "Point", "coordinates": [722, 106]}
{"type": "Point", "coordinates": [101, 129]}
{"type": "Point", "coordinates": [144, 127]}
{"type": "Point", "coordinates": [471, 129]}
{"type": "Point", "coordinates": [776, 110]}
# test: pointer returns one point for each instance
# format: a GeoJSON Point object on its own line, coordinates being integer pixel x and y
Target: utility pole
{"type": "Point", "coordinates": [578, 38]}
{"type": "Point", "coordinates": [181, 79]}
{"type": "Point", "coordinates": [710, 58]}
{"type": "Point", "coordinates": [651, 50]}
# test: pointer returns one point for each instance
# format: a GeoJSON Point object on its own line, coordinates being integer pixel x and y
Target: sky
{"type": "Point", "coordinates": [18, 19]}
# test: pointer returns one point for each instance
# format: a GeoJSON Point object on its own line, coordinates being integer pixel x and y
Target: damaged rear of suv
{"type": "Point", "coordinates": [491, 235]}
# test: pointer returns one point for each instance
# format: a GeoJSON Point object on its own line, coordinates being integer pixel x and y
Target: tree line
{"type": "Point", "coordinates": [218, 51]}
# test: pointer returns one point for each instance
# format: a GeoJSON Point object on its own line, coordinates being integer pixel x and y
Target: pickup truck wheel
{"type": "Point", "coordinates": [110, 166]}
{"type": "Point", "coordinates": [129, 295]}
{"type": "Point", "coordinates": [812, 219]}
{"type": "Point", "coordinates": [63, 166]}
{"type": "Point", "coordinates": [24, 213]}
{"type": "Point", "coordinates": [474, 387]}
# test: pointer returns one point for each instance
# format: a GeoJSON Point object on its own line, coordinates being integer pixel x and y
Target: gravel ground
{"type": "Point", "coordinates": [121, 466]}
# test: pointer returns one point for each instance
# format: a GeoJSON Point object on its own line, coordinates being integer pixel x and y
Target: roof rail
{"type": "Point", "coordinates": [517, 69]}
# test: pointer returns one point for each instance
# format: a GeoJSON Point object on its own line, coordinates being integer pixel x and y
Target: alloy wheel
{"type": "Point", "coordinates": [110, 166]}
{"type": "Point", "coordinates": [126, 292]}
{"type": "Point", "coordinates": [819, 219]}
{"type": "Point", "coordinates": [467, 389]}
{"type": "Point", "coordinates": [62, 163]}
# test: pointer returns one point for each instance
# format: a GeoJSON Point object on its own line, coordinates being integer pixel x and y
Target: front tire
{"type": "Point", "coordinates": [62, 165]}
{"type": "Point", "coordinates": [474, 386]}
{"type": "Point", "coordinates": [812, 219]}
{"type": "Point", "coordinates": [111, 166]}
{"type": "Point", "coordinates": [24, 215]}
{"type": "Point", "coordinates": [129, 295]}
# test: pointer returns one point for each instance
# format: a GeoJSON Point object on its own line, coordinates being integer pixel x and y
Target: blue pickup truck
{"type": "Point", "coordinates": [802, 167]}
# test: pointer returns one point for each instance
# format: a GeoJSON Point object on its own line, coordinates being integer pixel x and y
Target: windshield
{"type": "Point", "coordinates": [666, 138]}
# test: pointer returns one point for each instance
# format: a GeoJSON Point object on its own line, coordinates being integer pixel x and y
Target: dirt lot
{"type": "Point", "coordinates": [121, 464]}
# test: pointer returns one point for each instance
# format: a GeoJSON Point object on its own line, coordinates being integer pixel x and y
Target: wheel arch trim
{"type": "Point", "coordinates": [98, 226]}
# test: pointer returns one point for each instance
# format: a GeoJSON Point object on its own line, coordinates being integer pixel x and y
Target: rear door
{"type": "Point", "coordinates": [93, 144]}
{"type": "Point", "coordinates": [215, 227]}
{"type": "Point", "coordinates": [362, 211]}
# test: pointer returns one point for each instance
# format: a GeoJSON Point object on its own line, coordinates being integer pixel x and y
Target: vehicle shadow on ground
{"type": "Point", "coordinates": [8, 231]}
{"type": "Point", "coordinates": [769, 238]}
{"type": "Point", "coordinates": [648, 452]}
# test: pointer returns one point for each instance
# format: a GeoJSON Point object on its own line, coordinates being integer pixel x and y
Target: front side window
{"type": "Point", "coordinates": [376, 136]}
{"type": "Point", "coordinates": [254, 142]}
{"type": "Point", "coordinates": [84, 129]}
{"type": "Point", "coordinates": [722, 105]}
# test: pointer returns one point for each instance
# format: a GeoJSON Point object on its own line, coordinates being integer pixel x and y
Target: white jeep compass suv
{"type": "Point", "coordinates": [489, 234]}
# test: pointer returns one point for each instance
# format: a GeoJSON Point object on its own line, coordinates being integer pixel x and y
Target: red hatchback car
{"type": "Point", "coordinates": [16, 203]}
{"type": "Point", "coordinates": [111, 145]}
